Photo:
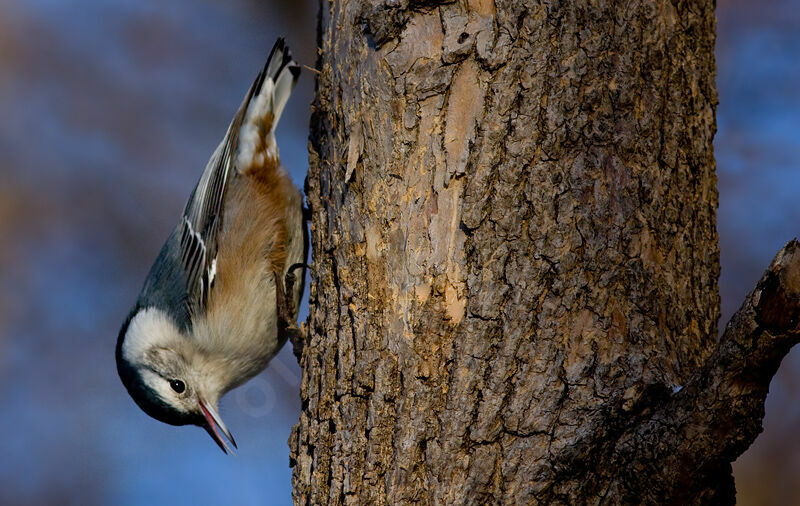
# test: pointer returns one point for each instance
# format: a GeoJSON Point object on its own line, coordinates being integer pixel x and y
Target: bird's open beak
{"type": "Point", "coordinates": [212, 422]}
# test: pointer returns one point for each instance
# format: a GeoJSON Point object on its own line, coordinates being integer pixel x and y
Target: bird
{"type": "Point", "coordinates": [221, 299]}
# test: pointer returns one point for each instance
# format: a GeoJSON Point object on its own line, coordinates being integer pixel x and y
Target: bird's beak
{"type": "Point", "coordinates": [212, 422]}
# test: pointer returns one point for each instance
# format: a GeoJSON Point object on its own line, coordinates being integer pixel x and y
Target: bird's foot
{"type": "Point", "coordinates": [287, 325]}
{"type": "Point", "coordinates": [290, 280]}
{"type": "Point", "coordinates": [297, 336]}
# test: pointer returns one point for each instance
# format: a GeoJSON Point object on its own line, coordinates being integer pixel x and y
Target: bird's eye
{"type": "Point", "coordinates": [177, 385]}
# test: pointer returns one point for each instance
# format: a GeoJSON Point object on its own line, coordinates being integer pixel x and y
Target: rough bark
{"type": "Point", "coordinates": [514, 291]}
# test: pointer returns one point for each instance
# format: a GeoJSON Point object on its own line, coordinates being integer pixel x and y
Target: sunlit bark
{"type": "Point", "coordinates": [514, 293]}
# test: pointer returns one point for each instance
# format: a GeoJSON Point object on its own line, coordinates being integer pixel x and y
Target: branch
{"type": "Point", "coordinates": [736, 378]}
{"type": "Point", "coordinates": [707, 424]}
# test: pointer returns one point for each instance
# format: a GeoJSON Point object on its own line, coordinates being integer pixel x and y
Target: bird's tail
{"type": "Point", "coordinates": [262, 107]}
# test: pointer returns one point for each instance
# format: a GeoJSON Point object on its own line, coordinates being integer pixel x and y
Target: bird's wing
{"type": "Point", "coordinates": [202, 218]}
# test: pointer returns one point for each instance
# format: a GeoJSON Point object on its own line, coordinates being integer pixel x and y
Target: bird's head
{"type": "Point", "coordinates": [167, 375]}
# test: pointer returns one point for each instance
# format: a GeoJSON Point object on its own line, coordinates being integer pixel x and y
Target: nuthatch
{"type": "Point", "coordinates": [220, 299]}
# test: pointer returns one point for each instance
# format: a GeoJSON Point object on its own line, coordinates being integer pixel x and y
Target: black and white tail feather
{"type": "Point", "coordinates": [202, 217]}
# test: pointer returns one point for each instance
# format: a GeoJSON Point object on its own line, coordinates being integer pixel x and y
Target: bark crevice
{"type": "Point", "coordinates": [514, 290]}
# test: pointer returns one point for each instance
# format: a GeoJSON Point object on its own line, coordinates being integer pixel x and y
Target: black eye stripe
{"type": "Point", "coordinates": [177, 385]}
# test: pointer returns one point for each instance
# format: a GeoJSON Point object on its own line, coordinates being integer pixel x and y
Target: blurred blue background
{"type": "Point", "coordinates": [109, 112]}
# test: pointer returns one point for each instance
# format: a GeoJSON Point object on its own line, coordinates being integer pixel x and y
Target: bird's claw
{"type": "Point", "coordinates": [297, 337]}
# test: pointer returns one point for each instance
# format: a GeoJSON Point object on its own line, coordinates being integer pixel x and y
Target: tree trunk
{"type": "Point", "coordinates": [514, 291]}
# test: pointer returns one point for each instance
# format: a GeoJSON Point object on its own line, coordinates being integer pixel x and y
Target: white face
{"type": "Point", "coordinates": [158, 349]}
{"type": "Point", "coordinates": [171, 365]}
